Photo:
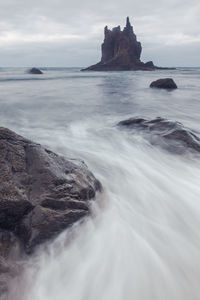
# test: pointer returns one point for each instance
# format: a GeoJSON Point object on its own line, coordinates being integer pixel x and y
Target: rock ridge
{"type": "Point", "coordinates": [169, 135]}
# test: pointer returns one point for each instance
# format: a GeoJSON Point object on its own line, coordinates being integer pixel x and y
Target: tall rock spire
{"type": "Point", "coordinates": [121, 51]}
{"type": "Point", "coordinates": [128, 29]}
{"type": "Point", "coordinates": [127, 21]}
{"type": "Point", "coordinates": [128, 24]}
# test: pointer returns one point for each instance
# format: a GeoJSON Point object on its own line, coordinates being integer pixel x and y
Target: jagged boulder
{"type": "Point", "coordinates": [41, 194]}
{"type": "Point", "coordinates": [121, 51]}
{"type": "Point", "coordinates": [169, 135]}
{"type": "Point", "coordinates": [164, 83]}
{"type": "Point", "coordinates": [35, 71]}
{"type": "Point", "coordinates": [36, 183]}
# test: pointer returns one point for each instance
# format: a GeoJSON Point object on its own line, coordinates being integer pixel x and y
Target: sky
{"type": "Point", "coordinates": [69, 33]}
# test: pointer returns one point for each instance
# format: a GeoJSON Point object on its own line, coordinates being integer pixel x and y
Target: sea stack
{"type": "Point", "coordinates": [121, 51]}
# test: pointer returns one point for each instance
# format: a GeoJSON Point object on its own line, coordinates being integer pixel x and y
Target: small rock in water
{"type": "Point", "coordinates": [35, 71]}
{"type": "Point", "coordinates": [164, 83]}
{"type": "Point", "coordinates": [170, 135]}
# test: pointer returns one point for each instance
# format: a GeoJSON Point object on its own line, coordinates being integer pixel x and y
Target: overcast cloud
{"type": "Point", "coordinates": [70, 33]}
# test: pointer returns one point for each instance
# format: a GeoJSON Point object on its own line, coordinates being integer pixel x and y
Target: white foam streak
{"type": "Point", "coordinates": [143, 239]}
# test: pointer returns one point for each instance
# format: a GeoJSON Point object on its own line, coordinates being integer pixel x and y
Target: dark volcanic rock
{"type": "Point", "coordinates": [41, 194]}
{"type": "Point", "coordinates": [9, 244]}
{"type": "Point", "coordinates": [170, 135]}
{"type": "Point", "coordinates": [43, 223]}
{"type": "Point", "coordinates": [165, 83]}
{"type": "Point", "coordinates": [11, 214]}
{"type": "Point", "coordinates": [35, 71]}
{"type": "Point", "coordinates": [121, 51]}
{"type": "Point", "coordinates": [34, 179]}
{"type": "Point", "coordinates": [149, 64]}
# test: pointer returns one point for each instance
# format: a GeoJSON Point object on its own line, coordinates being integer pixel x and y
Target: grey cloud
{"type": "Point", "coordinates": [69, 33]}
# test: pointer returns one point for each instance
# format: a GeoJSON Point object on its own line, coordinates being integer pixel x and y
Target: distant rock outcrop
{"type": "Point", "coordinates": [41, 194]}
{"type": "Point", "coordinates": [164, 83]}
{"type": "Point", "coordinates": [121, 51]}
{"type": "Point", "coordinates": [35, 71]}
{"type": "Point", "coordinates": [169, 135]}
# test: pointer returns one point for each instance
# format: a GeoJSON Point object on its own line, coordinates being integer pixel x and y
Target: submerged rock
{"type": "Point", "coordinates": [41, 194]}
{"type": "Point", "coordinates": [170, 135]}
{"type": "Point", "coordinates": [165, 83]}
{"type": "Point", "coordinates": [121, 51]}
{"type": "Point", "coordinates": [35, 71]}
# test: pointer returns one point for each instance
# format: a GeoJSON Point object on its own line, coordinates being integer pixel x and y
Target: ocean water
{"type": "Point", "coordinates": [142, 241]}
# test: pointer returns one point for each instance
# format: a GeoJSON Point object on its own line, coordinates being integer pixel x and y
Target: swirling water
{"type": "Point", "coordinates": [143, 240]}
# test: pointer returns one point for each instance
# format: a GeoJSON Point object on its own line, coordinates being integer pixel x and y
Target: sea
{"type": "Point", "coordinates": [142, 240]}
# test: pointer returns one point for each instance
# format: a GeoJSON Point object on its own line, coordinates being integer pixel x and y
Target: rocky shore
{"type": "Point", "coordinates": [41, 194]}
{"type": "Point", "coordinates": [167, 134]}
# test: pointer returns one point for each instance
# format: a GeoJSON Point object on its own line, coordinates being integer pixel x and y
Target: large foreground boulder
{"type": "Point", "coordinates": [38, 187]}
{"type": "Point", "coordinates": [41, 194]}
{"type": "Point", "coordinates": [35, 71]}
{"type": "Point", "coordinates": [164, 83]}
{"type": "Point", "coordinates": [170, 135]}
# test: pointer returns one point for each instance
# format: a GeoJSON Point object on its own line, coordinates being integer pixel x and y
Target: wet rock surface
{"type": "Point", "coordinates": [9, 250]}
{"type": "Point", "coordinates": [164, 83]}
{"type": "Point", "coordinates": [170, 135]}
{"type": "Point", "coordinates": [41, 194]}
{"type": "Point", "coordinates": [35, 71]}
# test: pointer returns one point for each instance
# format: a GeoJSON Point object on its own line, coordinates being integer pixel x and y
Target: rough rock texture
{"type": "Point", "coordinates": [35, 71]}
{"type": "Point", "coordinates": [121, 51]}
{"type": "Point", "coordinates": [9, 245]}
{"type": "Point", "coordinates": [170, 135]}
{"type": "Point", "coordinates": [164, 83]}
{"type": "Point", "coordinates": [41, 194]}
{"type": "Point", "coordinates": [38, 187]}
